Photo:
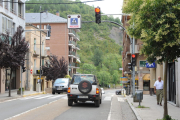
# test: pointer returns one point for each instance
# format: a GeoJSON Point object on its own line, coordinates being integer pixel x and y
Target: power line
{"type": "Point", "coordinates": [55, 3]}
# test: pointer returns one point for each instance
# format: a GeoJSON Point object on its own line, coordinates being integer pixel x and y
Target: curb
{"type": "Point", "coordinates": [135, 112]}
{"type": "Point", "coordinates": [34, 94]}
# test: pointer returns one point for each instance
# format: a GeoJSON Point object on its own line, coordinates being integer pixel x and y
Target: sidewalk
{"type": "Point", "coordinates": [154, 111]}
{"type": "Point", "coordinates": [14, 95]}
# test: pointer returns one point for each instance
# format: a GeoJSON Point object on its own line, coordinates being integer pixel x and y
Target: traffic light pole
{"type": "Point", "coordinates": [133, 69]}
{"type": "Point", "coordinates": [21, 79]}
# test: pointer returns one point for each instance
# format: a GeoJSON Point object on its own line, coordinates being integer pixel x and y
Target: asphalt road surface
{"type": "Point", "coordinates": [55, 107]}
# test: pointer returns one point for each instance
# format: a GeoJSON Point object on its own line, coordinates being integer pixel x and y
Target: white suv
{"type": "Point", "coordinates": [84, 87]}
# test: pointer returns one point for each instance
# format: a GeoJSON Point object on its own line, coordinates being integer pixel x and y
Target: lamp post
{"type": "Point", "coordinates": [40, 43]}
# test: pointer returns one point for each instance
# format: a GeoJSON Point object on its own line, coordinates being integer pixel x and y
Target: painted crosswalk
{"type": "Point", "coordinates": [38, 97]}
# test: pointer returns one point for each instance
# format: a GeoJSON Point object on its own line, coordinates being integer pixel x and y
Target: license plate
{"type": "Point", "coordinates": [82, 96]}
{"type": "Point", "coordinates": [59, 88]}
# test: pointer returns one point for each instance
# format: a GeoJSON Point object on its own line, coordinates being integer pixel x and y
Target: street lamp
{"type": "Point", "coordinates": [40, 41]}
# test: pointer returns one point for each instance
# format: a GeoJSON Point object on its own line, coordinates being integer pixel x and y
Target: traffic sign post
{"type": "Point", "coordinates": [74, 21]}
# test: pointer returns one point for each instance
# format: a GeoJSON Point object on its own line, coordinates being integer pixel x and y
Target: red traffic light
{"type": "Point", "coordinates": [133, 55]}
{"type": "Point", "coordinates": [97, 10]}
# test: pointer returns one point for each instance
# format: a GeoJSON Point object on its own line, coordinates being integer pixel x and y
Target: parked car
{"type": "Point", "coordinates": [84, 87]}
{"type": "Point", "coordinates": [102, 90]}
{"type": "Point", "coordinates": [60, 85]}
{"type": "Point", "coordinates": [118, 92]}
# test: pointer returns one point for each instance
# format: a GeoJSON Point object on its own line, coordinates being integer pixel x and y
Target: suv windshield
{"type": "Point", "coordinates": [78, 78]}
{"type": "Point", "coordinates": [61, 81]}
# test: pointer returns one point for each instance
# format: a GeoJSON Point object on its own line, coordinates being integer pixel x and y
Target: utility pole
{"type": "Point", "coordinates": [21, 78]}
{"type": "Point", "coordinates": [133, 68]}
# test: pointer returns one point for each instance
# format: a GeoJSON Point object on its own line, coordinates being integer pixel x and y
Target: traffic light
{"type": "Point", "coordinates": [130, 66]}
{"type": "Point", "coordinates": [98, 15]}
{"type": "Point", "coordinates": [133, 60]}
{"type": "Point", "coordinates": [23, 68]}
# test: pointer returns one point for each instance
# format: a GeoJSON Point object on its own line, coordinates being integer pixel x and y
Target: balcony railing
{"type": "Point", "coordinates": [36, 52]}
{"type": "Point", "coordinates": [44, 53]}
{"type": "Point", "coordinates": [77, 56]}
{"type": "Point", "coordinates": [72, 42]}
{"type": "Point", "coordinates": [77, 65]}
{"type": "Point", "coordinates": [72, 64]}
{"type": "Point", "coordinates": [20, 15]}
{"type": "Point", "coordinates": [13, 11]}
{"type": "Point", "coordinates": [78, 46]}
{"type": "Point", "coordinates": [76, 36]}
{"type": "Point", "coordinates": [72, 53]}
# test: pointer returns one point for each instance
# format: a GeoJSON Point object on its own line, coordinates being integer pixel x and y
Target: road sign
{"type": "Point", "coordinates": [31, 71]}
{"type": "Point", "coordinates": [152, 65]}
{"type": "Point", "coordinates": [74, 21]}
{"type": "Point", "coordinates": [142, 63]}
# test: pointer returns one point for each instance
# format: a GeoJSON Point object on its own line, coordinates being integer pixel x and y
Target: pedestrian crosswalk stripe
{"type": "Point", "coordinates": [44, 97]}
{"type": "Point", "coordinates": [55, 96]}
{"type": "Point", "coordinates": [30, 97]}
{"type": "Point", "coordinates": [120, 99]}
{"type": "Point", "coordinates": [64, 97]}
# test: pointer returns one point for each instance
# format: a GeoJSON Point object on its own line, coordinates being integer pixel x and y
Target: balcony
{"type": "Point", "coordinates": [77, 65]}
{"type": "Point", "coordinates": [73, 34]}
{"type": "Point", "coordinates": [72, 64]}
{"type": "Point", "coordinates": [72, 54]}
{"type": "Point", "coordinates": [20, 15]}
{"type": "Point", "coordinates": [77, 56]}
{"type": "Point", "coordinates": [136, 49]}
{"type": "Point", "coordinates": [71, 43]}
{"type": "Point", "coordinates": [12, 11]}
{"type": "Point", "coordinates": [36, 52]}
{"type": "Point", "coordinates": [44, 53]}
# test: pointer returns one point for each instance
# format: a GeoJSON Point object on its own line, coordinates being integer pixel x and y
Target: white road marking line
{"type": "Point", "coordinates": [44, 97]}
{"type": "Point", "coordinates": [120, 99]}
{"type": "Point", "coordinates": [109, 115]}
{"type": "Point", "coordinates": [107, 99]}
{"type": "Point", "coordinates": [55, 96]}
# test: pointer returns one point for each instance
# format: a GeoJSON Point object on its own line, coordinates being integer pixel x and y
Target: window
{"type": "Point", "coordinates": [44, 26]}
{"type": "Point", "coordinates": [78, 78]}
{"type": "Point", "coordinates": [42, 62]}
{"type": "Point", "coordinates": [34, 65]}
{"type": "Point", "coordinates": [34, 44]}
{"type": "Point", "coordinates": [37, 26]}
{"type": "Point", "coordinates": [3, 29]}
{"type": "Point", "coordinates": [7, 25]}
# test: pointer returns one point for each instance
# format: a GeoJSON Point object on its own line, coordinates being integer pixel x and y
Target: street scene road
{"type": "Point", "coordinates": [48, 107]}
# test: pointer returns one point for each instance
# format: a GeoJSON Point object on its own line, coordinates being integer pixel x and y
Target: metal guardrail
{"type": "Point", "coordinates": [13, 11]}
{"type": "Point", "coordinates": [20, 15]}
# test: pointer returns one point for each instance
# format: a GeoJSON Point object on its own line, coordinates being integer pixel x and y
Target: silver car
{"type": "Point", "coordinates": [60, 85]}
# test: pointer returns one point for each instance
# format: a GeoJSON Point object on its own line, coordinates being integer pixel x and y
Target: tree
{"type": "Point", "coordinates": [98, 57]}
{"type": "Point", "coordinates": [115, 77]}
{"type": "Point", "coordinates": [88, 68]}
{"type": "Point", "coordinates": [156, 22]}
{"type": "Point", "coordinates": [12, 51]}
{"type": "Point", "coordinates": [55, 68]}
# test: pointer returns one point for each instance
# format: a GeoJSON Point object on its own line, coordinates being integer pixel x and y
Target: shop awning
{"type": "Point", "coordinates": [146, 77]}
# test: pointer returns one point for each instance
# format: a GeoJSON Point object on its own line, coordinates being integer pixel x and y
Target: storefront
{"type": "Point", "coordinates": [13, 79]}
{"type": "Point", "coordinates": [146, 82]}
{"type": "Point", "coordinates": [171, 83]}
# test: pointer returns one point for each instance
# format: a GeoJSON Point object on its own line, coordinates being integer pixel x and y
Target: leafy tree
{"type": "Point", "coordinates": [55, 68]}
{"type": "Point", "coordinates": [88, 69]}
{"type": "Point", "coordinates": [156, 22]}
{"type": "Point", "coordinates": [115, 77]}
{"type": "Point", "coordinates": [104, 78]}
{"type": "Point", "coordinates": [98, 57]}
{"type": "Point", "coordinates": [12, 51]}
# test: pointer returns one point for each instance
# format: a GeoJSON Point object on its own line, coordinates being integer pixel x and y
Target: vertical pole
{"type": "Point", "coordinates": [133, 67]}
{"type": "Point", "coordinates": [21, 80]}
{"type": "Point", "coordinates": [40, 46]}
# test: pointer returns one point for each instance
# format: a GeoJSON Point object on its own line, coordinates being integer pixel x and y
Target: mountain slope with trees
{"type": "Point", "coordinates": [99, 53]}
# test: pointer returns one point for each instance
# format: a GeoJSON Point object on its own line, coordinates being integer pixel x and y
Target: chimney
{"type": "Point", "coordinates": [57, 13]}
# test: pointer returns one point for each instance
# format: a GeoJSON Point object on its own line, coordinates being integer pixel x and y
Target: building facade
{"type": "Point", "coordinates": [11, 16]}
{"type": "Point", "coordinates": [61, 41]}
{"type": "Point", "coordinates": [33, 58]}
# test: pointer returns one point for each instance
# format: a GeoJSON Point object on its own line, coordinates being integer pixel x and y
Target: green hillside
{"type": "Point", "coordinates": [99, 53]}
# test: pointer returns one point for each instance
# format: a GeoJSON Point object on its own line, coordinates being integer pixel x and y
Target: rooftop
{"type": "Point", "coordinates": [45, 18]}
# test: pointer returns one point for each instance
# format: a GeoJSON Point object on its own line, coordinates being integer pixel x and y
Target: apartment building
{"type": "Point", "coordinates": [33, 58]}
{"type": "Point", "coordinates": [61, 41]}
{"type": "Point", "coordinates": [11, 16]}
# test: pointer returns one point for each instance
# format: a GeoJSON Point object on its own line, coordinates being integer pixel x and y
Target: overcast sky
{"type": "Point", "coordinates": [108, 6]}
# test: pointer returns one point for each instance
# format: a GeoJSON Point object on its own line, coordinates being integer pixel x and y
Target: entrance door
{"type": "Point", "coordinates": [172, 83]}
{"type": "Point", "coordinates": [34, 85]}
